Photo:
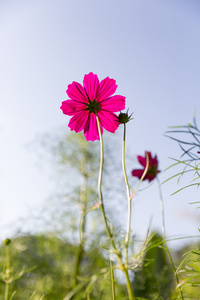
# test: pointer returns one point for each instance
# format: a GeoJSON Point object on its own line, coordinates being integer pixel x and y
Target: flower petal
{"type": "Point", "coordinates": [142, 160]}
{"type": "Point", "coordinates": [91, 85]}
{"type": "Point", "coordinates": [152, 169]}
{"type": "Point", "coordinates": [77, 122]}
{"type": "Point", "coordinates": [91, 129]}
{"type": "Point", "coordinates": [137, 173]}
{"type": "Point", "coordinates": [107, 88]}
{"type": "Point", "coordinates": [76, 92]}
{"type": "Point", "coordinates": [155, 161]}
{"type": "Point", "coordinates": [152, 161]}
{"type": "Point", "coordinates": [150, 177]}
{"type": "Point", "coordinates": [113, 104]}
{"type": "Point", "coordinates": [108, 120]}
{"type": "Point", "coordinates": [70, 107]}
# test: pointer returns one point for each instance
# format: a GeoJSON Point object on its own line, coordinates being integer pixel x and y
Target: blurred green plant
{"type": "Point", "coordinates": [77, 162]}
{"type": "Point", "coordinates": [10, 274]}
{"type": "Point", "coordinates": [189, 270]}
{"type": "Point", "coordinates": [59, 265]}
{"type": "Point", "coordinates": [155, 278]}
{"type": "Point", "coordinates": [73, 155]}
{"type": "Point", "coordinates": [42, 266]}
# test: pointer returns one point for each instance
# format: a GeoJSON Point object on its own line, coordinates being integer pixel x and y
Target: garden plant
{"type": "Point", "coordinates": [88, 255]}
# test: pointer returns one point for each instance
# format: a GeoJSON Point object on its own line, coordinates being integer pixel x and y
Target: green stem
{"type": "Point", "coordinates": [164, 237]}
{"type": "Point", "coordinates": [110, 236]}
{"type": "Point", "coordinates": [6, 291]}
{"type": "Point", "coordinates": [83, 199]}
{"type": "Point", "coordinates": [112, 280]}
{"type": "Point", "coordinates": [128, 199]}
{"type": "Point", "coordinates": [7, 273]}
{"type": "Point", "coordinates": [128, 285]}
{"type": "Point", "coordinates": [100, 183]}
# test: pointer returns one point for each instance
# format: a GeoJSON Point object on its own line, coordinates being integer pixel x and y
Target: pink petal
{"type": "Point", "coordinates": [108, 120]}
{"type": "Point", "coordinates": [142, 160]}
{"type": "Point", "coordinates": [113, 104]}
{"type": "Point", "coordinates": [91, 129]}
{"type": "Point", "coordinates": [107, 88]}
{"type": "Point", "coordinates": [150, 177]}
{"type": "Point", "coordinates": [70, 107]}
{"type": "Point", "coordinates": [77, 122]}
{"type": "Point", "coordinates": [76, 92]}
{"type": "Point", "coordinates": [152, 161]}
{"type": "Point", "coordinates": [155, 161]}
{"type": "Point", "coordinates": [91, 85]}
{"type": "Point", "coordinates": [137, 173]}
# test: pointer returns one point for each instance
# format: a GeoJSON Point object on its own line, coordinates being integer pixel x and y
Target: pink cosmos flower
{"type": "Point", "coordinates": [91, 99]}
{"type": "Point", "coordinates": [152, 169]}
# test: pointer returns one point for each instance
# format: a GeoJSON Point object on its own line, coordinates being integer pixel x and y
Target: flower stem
{"type": "Point", "coordinates": [164, 237]}
{"type": "Point", "coordinates": [100, 183]}
{"type": "Point", "coordinates": [110, 236]}
{"type": "Point", "coordinates": [7, 273]}
{"type": "Point", "coordinates": [128, 198]}
{"type": "Point", "coordinates": [112, 280]}
{"type": "Point", "coordinates": [6, 291]}
{"type": "Point", "coordinates": [83, 199]}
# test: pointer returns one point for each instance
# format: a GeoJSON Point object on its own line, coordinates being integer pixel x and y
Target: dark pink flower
{"type": "Point", "coordinates": [91, 99]}
{"type": "Point", "coordinates": [152, 169]}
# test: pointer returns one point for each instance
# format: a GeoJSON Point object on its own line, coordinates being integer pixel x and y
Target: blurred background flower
{"type": "Point", "coordinates": [152, 170]}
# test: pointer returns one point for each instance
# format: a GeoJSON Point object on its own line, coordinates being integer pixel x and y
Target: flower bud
{"type": "Point", "coordinates": [6, 242]}
{"type": "Point", "coordinates": [124, 118]}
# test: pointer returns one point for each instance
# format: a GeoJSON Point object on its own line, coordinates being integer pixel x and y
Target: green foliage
{"type": "Point", "coordinates": [189, 271]}
{"type": "Point", "coordinates": [50, 267]}
{"type": "Point", "coordinates": [42, 267]}
{"type": "Point", "coordinates": [50, 264]}
{"type": "Point", "coordinates": [154, 280]}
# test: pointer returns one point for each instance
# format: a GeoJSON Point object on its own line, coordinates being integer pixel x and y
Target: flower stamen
{"type": "Point", "coordinates": [93, 106]}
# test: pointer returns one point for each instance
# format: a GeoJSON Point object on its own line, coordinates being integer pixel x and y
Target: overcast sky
{"type": "Point", "coordinates": [151, 48]}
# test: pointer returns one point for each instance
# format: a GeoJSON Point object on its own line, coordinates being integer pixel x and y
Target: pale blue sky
{"type": "Point", "coordinates": [151, 48]}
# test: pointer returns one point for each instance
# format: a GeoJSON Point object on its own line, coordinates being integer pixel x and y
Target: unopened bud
{"type": "Point", "coordinates": [124, 118]}
{"type": "Point", "coordinates": [6, 242]}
